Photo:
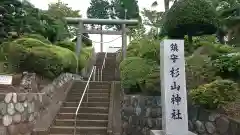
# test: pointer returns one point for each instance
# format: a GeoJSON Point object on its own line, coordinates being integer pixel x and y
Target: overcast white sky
{"type": "Point", "coordinates": [82, 5]}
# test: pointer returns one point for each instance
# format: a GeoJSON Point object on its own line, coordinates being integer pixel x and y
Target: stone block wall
{"type": "Point", "coordinates": [140, 114]}
{"type": "Point", "coordinates": [204, 122]}
{"type": "Point", "coordinates": [20, 109]}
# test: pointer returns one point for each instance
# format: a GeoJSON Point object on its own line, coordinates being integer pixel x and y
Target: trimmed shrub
{"type": "Point", "coordinates": [67, 44]}
{"type": "Point", "coordinates": [15, 54]}
{"type": "Point", "coordinates": [38, 37]}
{"type": "Point", "coordinates": [33, 55]}
{"type": "Point", "coordinates": [199, 70]}
{"type": "Point", "coordinates": [196, 43]}
{"type": "Point", "coordinates": [145, 48]}
{"type": "Point", "coordinates": [215, 94]}
{"type": "Point", "coordinates": [85, 56]}
{"type": "Point", "coordinates": [228, 66]}
{"type": "Point", "coordinates": [43, 61]}
{"type": "Point", "coordinates": [193, 18]}
{"type": "Point", "coordinates": [30, 42]}
{"type": "Point", "coordinates": [135, 72]}
{"type": "Point", "coordinates": [213, 50]}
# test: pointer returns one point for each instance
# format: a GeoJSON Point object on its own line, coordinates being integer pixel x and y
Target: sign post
{"type": "Point", "coordinates": [6, 80]}
{"type": "Point", "coordinates": [173, 89]}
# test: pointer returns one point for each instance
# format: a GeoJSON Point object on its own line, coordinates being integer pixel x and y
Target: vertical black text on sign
{"type": "Point", "coordinates": [175, 86]}
{"type": "Point", "coordinates": [176, 99]}
{"type": "Point", "coordinates": [176, 114]}
{"type": "Point", "coordinates": [174, 47]}
{"type": "Point", "coordinates": [174, 72]}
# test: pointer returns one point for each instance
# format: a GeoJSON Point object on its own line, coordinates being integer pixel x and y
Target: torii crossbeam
{"type": "Point", "coordinates": [81, 22]}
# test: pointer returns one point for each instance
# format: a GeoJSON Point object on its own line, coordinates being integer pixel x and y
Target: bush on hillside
{"type": "Point", "coordinates": [33, 55]}
{"type": "Point", "coordinates": [15, 54]}
{"type": "Point", "coordinates": [146, 48]}
{"type": "Point", "coordinates": [43, 61]}
{"type": "Point", "coordinates": [199, 70]}
{"type": "Point", "coordinates": [85, 53]}
{"type": "Point", "coordinates": [85, 57]}
{"type": "Point", "coordinates": [228, 66]}
{"type": "Point", "coordinates": [135, 71]}
{"type": "Point", "coordinates": [30, 42]}
{"type": "Point", "coordinates": [38, 37]}
{"type": "Point", "coordinates": [67, 44]}
{"type": "Point", "coordinates": [213, 50]}
{"type": "Point", "coordinates": [215, 94]}
{"type": "Point", "coordinates": [190, 47]}
{"type": "Point", "coordinates": [192, 18]}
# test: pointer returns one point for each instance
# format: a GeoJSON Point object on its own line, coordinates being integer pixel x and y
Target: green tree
{"type": "Point", "coordinates": [121, 9]}
{"type": "Point", "coordinates": [166, 4]}
{"type": "Point", "coordinates": [98, 9]}
{"type": "Point", "coordinates": [153, 19]}
{"type": "Point", "coordinates": [58, 11]}
{"type": "Point", "coordinates": [192, 18]}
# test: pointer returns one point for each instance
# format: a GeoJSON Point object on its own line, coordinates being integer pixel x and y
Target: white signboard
{"type": "Point", "coordinates": [173, 87]}
{"type": "Point", "coordinates": [6, 79]}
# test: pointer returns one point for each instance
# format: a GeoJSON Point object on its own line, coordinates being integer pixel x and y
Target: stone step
{"type": "Point", "coordinates": [89, 91]}
{"type": "Point", "coordinates": [82, 123]}
{"type": "Point", "coordinates": [77, 95]}
{"type": "Point", "coordinates": [78, 134]}
{"type": "Point", "coordinates": [108, 73]}
{"type": "Point", "coordinates": [82, 87]}
{"type": "Point", "coordinates": [79, 130]}
{"type": "Point", "coordinates": [84, 104]}
{"type": "Point", "coordinates": [90, 99]}
{"type": "Point", "coordinates": [83, 116]}
{"type": "Point", "coordinates": [92, 85]}
{"type": "Point", "coordinates": [84, 109]}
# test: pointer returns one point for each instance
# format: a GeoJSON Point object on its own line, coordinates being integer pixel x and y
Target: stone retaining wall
{"type": "Point", "coordinates": [205, 122]}
{"type": "Point", "coordinates": [21, 108]}
{"type": "Point", "coordinates": [140, 114]}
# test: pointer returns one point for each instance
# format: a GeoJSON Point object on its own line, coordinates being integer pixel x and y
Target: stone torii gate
{"type": "Point", "coordinates": [81, 30]}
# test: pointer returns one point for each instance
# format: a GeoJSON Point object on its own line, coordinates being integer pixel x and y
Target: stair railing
{"type": "Point", "coordinates": [103, 65]}
{"type": "Point", "coordinates": [104, 60]}
{"type": "Point", "coordinates": [84, 92]}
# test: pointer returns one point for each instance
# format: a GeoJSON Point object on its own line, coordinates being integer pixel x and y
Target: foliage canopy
{"type": "Point", "coordinates": [187, 17]}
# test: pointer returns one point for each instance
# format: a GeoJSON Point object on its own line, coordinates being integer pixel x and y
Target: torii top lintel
{"type": "Point", "coordinates": [75, 20]}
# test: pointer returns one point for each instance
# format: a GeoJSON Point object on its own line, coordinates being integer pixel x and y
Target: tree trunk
{"type": "Point", "coordinates": [190, 38]}
{"type": "Point", "coordinates": [220, 35]}
{"type": "Point", "coordinates": [166, 5]}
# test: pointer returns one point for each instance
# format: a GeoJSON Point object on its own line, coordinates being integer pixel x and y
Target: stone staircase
{"type": "Point", "coordinates": [93, 115]}
{"type": "Point", "coordinates": [108, 73]}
